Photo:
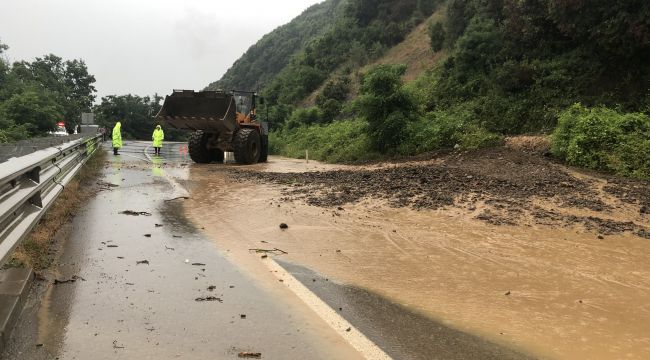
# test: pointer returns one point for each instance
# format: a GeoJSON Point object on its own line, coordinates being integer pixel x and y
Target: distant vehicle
{"type": "Point", "coordinates": [60, 130]}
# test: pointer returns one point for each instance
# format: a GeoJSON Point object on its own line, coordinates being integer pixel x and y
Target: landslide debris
{"type": "Point", "coordinates": [501, 186]}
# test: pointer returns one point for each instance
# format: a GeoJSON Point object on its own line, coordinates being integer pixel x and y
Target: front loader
{"type": "Point", "coordinates": [221, 122]}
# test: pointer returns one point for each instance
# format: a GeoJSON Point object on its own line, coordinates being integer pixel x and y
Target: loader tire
{"type": "Point", "coordinates": [197, 146]}
{"type": "Point", "coordinates": [264, 153]}
{"type": "Point", "coordinates": [247, 145]}
{"type": "Point", "coordinates": [217, 155]}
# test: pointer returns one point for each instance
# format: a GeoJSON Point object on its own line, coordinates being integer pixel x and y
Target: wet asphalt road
{"type": "Point", "coordinates": [400, 332]}
{"type": "Point", "coordinates": [121, 308]}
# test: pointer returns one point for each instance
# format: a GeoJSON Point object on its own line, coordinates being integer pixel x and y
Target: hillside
{"type": "Point", "coordinates": [414, 52]}
{"type": "Point", "coordinates": [266, 58]}
{"type": "Point", "coordinates": [387, 78]}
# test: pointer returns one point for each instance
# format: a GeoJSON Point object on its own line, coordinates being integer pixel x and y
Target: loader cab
{"type": "Point", "coordinates": [245, 101]}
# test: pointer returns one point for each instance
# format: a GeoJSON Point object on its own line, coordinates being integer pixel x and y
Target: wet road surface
{"type": "Point", "coordinates": [233, 299]}
{"type": "Point", "coordinates": [144, 291]}
{"type": "Point", "coordinates": [549, 291]}
{"type": "Point", "coordinates": [402, 333]}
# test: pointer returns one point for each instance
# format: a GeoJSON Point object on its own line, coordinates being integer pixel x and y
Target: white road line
{"type": "Point", "coordinates": [133, 156]}
{"type": "Point", "coordinates": [146, 152]}
{"type": "Point", "coordinates": [355, 337]}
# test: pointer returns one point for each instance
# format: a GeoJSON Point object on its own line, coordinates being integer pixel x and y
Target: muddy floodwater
{"type": "Point", "coordinates": [557, 292]}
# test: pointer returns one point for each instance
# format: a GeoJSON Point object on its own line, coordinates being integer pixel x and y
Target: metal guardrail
{"type": "Point", "coordinates": [29, 185]}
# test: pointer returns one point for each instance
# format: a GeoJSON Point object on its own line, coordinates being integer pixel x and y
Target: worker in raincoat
{"type": "Point", "coordinates": [158, 136]}
{"type": "Point", "coordinates": [117, 137]}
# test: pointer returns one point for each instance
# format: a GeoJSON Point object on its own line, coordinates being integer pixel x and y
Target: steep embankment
{"type": "Point", "coordinates": [414, 51]}
{"type": "Point", "coordinates": [272, 53]}
{"type": "Point", "coordinates": [294, 60]}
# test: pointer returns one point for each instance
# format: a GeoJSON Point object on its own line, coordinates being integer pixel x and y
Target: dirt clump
{"type": "Point", "coordinates": [507, 183]}
{"type": "Point", "coordinates": [635, 192]}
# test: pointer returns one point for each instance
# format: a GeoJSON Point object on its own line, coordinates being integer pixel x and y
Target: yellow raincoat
{"type": "Point", "coordinates": [158, 136]}
{"type": "Point", "coordinates": [117, 135]}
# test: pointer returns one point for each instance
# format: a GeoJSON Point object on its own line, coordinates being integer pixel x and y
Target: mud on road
{"type": "Point", "coordinates": [499, 186]}
{"type": "Point", "coordinates": [504, 245]}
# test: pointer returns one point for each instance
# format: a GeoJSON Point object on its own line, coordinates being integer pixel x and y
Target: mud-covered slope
{"type": "Point", "coordinates": [272, 53]}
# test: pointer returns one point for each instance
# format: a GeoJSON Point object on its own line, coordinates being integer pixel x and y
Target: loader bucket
{"type": "Point", "coordinates": [210, 111]}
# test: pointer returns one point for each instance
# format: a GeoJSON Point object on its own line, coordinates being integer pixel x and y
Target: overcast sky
{"type": "Point", "coordinates": [143, 46]}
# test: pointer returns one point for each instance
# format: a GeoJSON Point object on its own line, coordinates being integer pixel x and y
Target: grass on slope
{"type": "Point", "coordinates": [414, 51]}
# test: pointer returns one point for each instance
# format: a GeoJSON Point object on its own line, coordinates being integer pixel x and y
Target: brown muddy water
{"type": "Point", "coordinates": [549, 291]}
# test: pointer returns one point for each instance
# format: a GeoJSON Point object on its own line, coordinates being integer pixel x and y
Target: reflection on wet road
{"type": "Point", "coordinates": [153, 287]}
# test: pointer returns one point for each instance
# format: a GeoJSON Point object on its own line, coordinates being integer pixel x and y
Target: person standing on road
{"type": "Point", "coordinates": [158, 136]}
{"type": "Point", "coordinates": [117, 137]}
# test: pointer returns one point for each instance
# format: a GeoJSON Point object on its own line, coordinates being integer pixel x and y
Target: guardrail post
{"type": "Point", "coordinates": [36, 200]}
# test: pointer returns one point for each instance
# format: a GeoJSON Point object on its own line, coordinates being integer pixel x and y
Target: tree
{"type": "Point", "coordinates": [137, 115]}
{"type": "Point", "coordinates": [437, 36]}
{"type": "Point", "coordinates": [134, 112]}
{"type": "Point", "coordinates": [68, 81]}
{"type": "Point", "coordinates": [79, 89]}
{"type": "Point", "coordinates": [9, 131]}
{"type": "Point", "coordinates": [386, 106]}
{"type": "Point", "coordinates": [4, 73]}
{"type": "Point", "coordinates": [35, 95]}
{"type": "Point", "coordinates": [35, 109]}
{"type": "Point", "coordinates": [3, 64]}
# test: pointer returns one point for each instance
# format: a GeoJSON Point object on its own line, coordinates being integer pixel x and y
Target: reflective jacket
{"type": "Point", "coordinates": [117, 135]}
{"type": "Point", "coordinates": [158, 136]}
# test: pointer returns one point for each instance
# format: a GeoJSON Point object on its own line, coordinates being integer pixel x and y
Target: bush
{"type": "Point", "coordinates": [304, 116]}
{"type": "Point", "coordinates": [340, 141]}
{"type": "Point", "coordinates": [11, 132]}
{"type": "Point", "coordinates": [330, 109]}
{"type": "Point", "coordinates": [447, 129]}
{"type": "Point", "coordinates": [334, 90]}
{"type": "Point", "coordinates": [604, 139]}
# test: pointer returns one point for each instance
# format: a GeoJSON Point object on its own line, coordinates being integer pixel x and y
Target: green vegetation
{"type": "Point", "coordinates": [387, 122]}
{"type": "Point", "coordinates": [272, 53]}
{"type": "Point", "coordinates": [361, 32]}
{"type": "Point", "coordinates": [35, 95]}
{"type": "Point", "coordinates": [504, 68]}
{"type": "Point", "coordinates": [604, 139]}
{"type": "Point", "coordinates": [437, 35]}
{"type": "Point", "coordinates": [519, 64]}
{"type": "Point", "coordinates": [339, 141]}
{"type": "Point", "coordinates": [445, 130]}
{"type": "Point", "coordinates": [386, 107]}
